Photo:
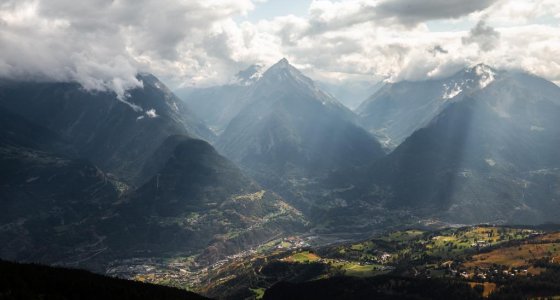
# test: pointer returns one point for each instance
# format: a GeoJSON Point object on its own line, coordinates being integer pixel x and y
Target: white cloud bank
{"type": "Point", "coordinates": [102, 44]}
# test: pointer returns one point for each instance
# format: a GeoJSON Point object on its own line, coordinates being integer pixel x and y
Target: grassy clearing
{"type": "Point", "coordinates": [447, 246]}
{"type": "Point", "coordinates": [365, 246]}
{"type": "Point", "coordinates": [403, 236]}
{"type": "Point", "coordinates": [303, 257]}
{"type": "Point", "coordinates": [357, 270]}
{"type": "Point", "coordinates": [285, 245]}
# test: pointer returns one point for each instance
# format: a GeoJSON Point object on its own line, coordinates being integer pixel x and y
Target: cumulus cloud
{"type": "Point", "coordinates": [390, 39]}
{"type": "Point", "coordinates": [522, 11]}
{"type": "Point", "coordinates": [103, 44]}
{"type": "Point", "coordinates": [328, 15]}
{"type": "Point", "coordinates": [413, 12]}
{"type": "Point", "coordinates": [483, 35]}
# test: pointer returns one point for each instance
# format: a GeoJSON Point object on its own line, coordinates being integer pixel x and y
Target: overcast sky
{"type": "Point", "coordinates": [104, 43]}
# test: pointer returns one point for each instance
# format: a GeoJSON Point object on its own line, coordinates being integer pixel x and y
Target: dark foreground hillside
{"type": "Point", "coordinates": [544, 286]}
{"type": "Point", "coordinates": [28, 281]}
{"type": "Point", "coordinates": [382, 287]}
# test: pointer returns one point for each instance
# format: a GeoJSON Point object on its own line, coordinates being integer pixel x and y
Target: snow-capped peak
{"type": "Point", "coordinates": [248, 76]}
{"type": "Point", "coordinates": [472, 78]}
{"type": "Point", "coordinates": [285, 77]}
{"type": "Point", "coordinates": [282, 64]}
{"type": "Point", "coordinates": [284, 71]}
{"type": "Point", "coordinates": [255, 72]}
{"type": "Point", "coordinates": [482, 74]}
{"type": "Point", "coordinates": [451, 90]}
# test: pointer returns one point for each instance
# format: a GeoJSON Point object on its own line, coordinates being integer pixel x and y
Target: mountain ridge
{"type": "Point", "coordinates": [485, 150]}
{"type": "Point", "coordinates": [291, 132]}
{"type": "Point", "coordinates": [398, 109]}
{"type": "Point", "coordinates": [109, 132]}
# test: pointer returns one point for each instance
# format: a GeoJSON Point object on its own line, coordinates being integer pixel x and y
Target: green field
{"type": "Point", "coordinates": [303, 257]}
{"type": "Point", "coordinates": [357, 270]}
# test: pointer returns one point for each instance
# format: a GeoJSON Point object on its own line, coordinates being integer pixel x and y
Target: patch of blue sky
{"type": "Point", "coordinates": [276, 8]}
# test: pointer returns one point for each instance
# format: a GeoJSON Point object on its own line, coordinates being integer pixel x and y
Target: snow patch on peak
{"type": "Point", "coordinates": [283, 71]}
{"type": "Point", "coordinates": [470, 79]}
{"type": "Point", "coordinates": [248, 76]}
{"type": "Point", "coordinates": [256, 76]}
{"type": "Point", "coordinates": [453, 91]}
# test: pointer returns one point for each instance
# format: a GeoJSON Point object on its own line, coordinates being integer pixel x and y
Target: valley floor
{"type": "Point", "coordinates": [494, 261]}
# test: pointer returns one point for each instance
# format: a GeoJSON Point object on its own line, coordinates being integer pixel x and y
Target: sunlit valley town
{"type": "Point", "coordinates": [310, 149]}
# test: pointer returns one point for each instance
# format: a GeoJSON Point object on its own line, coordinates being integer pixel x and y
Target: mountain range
{"type": "Point", "coordinates": [93, 180]}
{"type": "Point", "coordinates": [398, 109]}
{"type": "Point", "coordinates": [88, 178]}
{"type": "Point", "coordinates": [490, 156]}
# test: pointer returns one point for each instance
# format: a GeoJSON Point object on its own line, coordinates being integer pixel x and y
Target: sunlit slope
{"type": "Point", "coordinates": [491, 157]}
